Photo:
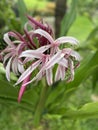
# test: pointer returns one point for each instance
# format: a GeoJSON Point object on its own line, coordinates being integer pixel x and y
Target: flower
{"type": "Point", "coordinates": [36, 53]}
{"type": "Point", "coordinates": [53, 56]}
{"type": "Point", "coordinates": [11, 60]}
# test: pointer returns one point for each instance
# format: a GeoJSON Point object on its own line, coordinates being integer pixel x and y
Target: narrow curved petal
{"type": "Point", "coordinates": [63, 62]}
{"type": "Point", "coordinates": [55, 59]}
{"type": "Point", "coordinates": [20, 67]}
{"type": "Point", "coordinates": [45, 34]}
{"type": "Point", "coordinates": [14, 66]}
{"type": "Point", "coordinates": [38, 76]}
{"type": "Point", "coordinates": [8, 69]}
{"type": "Point", "coordinates": [28, 71]}
{"type": "Point", "coordinates": [76, 55]}
{"type": "Point", "coordinates": [49, 76]}
{"type": "Point", "coordinates": [6, 57]}
{"type": "Point", "coordinates": [7, 40]}
{"type": "Point", "coordinates": [57, 75]}
{"type": "Point", "coordinates": [18, 42]}
{"type": "Point", "coordinates": [31, 54]}
{"type": "Point", "coordinates": [70, 40]}
{"type": "Point", "coordinates": [43, 48]}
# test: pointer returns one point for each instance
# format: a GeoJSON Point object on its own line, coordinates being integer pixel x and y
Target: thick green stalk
{"type": "Point", "coordinates": [40, 106]}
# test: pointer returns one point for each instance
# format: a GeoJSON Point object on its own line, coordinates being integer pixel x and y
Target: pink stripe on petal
{"type": "Point", "coordinates": [44, 34]}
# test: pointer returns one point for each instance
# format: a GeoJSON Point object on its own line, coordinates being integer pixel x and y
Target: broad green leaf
{"type": "Point", "coordinates": [93, 33]}
{"type": "Point", "coordinates": [80, 24]}
{"type": "Point", "coordinates": [89, 110]}
{"type": "Point", "coordinates": [69, 18]}
{"type": "Point", "coordinates": [9, 94]}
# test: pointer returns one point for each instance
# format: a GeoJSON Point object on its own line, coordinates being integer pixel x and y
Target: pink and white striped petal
{"type": "Point", "coordinates": [45, 34]}
{"type": "Point", "coordinates": [31, 54]}
{"type": "Point", "coordinates": [76, 55]}
{"type": "Point", "coordinates": [70, 40]}
{"type": "Point", "coordinates": [7, 40]}
{"type": "Point", "coordinates": [63, 62]}
{"type": "Point", "coordinates": [28, 71]}
{"type": "Point", "coordinates": [54, 59]}
{"type": "Point", "coordinates": [43, 48]}
{"type": "Point", "coordinates": [6, 57]}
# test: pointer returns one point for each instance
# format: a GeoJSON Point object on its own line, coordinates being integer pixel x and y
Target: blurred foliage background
{"type": "Point", "coordinates": [72, 106]}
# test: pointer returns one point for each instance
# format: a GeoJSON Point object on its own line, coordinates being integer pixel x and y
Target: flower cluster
{"type": "Point", "coordinates": [36, 54]}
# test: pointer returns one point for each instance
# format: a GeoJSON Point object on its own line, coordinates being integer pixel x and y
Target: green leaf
{"type": "Point", "coordinates": [69, 18]}
{"type": "Point", "coordinates": [9, 93]}
{"type": "Point", "coordinates": [89, 110]}
{"type": "Point", "coordinates": [22, 11]}
{"type": "Point", "coordinates": [95, 79]}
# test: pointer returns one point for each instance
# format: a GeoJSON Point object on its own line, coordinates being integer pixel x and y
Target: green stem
{"type": "Point", "coordinates": [40, 106]}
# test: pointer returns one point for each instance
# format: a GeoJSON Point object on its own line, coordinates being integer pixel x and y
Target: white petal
{"type": "Point", "coordinates": [28, 71]}
{"type": "Point", "coordinates": [55, 59]}
{"type": "Point", "coordinates": [8, 69]}
{"type": "Point", "coordinates": [67, 39]}
{"type": "Point", "coordinates": [7, 40]}
{"type": "Point", "coordinates": [45, 34]}
{"type": "Point", "coordinates": [49, 76]}
{"type": "Point", "coordinates": [20, 68]}
{"type": "Point", "coordinates": [31, 54]}
{"type": "Point", "coordinates": [17, 41]}
{"type": "Point", "coordinates": [6, 57]}
{"type": "Point", "coordinates": [57, 75]}
{"type": "Point", "coordinates": [63, 62]}
{"type": "Point", "coordinates": [43, 48]}
{"type": "Point", "coordinates": [14, 66]}
{"type": "Point", "coordinates": [38, 76]}
{"type": "Point", "coordinates": [76, 55]}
